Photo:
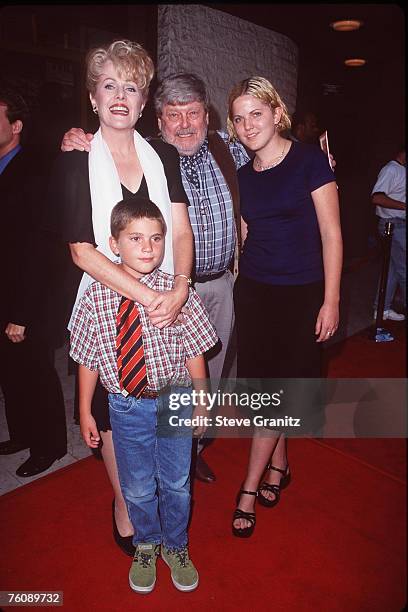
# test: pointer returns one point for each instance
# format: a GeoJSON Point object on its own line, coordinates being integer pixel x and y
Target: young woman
{"type": "Point", "coordinates": [287, 292]}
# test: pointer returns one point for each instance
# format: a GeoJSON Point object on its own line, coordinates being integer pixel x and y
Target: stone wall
{"type": "Point", "coordinates": [223, 50]}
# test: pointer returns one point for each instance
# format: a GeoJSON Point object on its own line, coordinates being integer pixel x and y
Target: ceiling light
{"type": "Point", "coordinates": [346, 25]}
{"type": "Point", "coordinates": [355, 61]}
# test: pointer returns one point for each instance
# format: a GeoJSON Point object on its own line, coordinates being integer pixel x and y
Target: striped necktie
{"type": "Point", "coordinates": [129, 349]}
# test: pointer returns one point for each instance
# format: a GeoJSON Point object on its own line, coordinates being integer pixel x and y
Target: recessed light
{"type": "Point", "coordinates": [355, 61]}
{"type": "Point", "coordinates": [346, 25]}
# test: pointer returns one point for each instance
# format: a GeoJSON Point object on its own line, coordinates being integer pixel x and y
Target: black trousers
{"type": "Point", "coordinates": [34, 402]}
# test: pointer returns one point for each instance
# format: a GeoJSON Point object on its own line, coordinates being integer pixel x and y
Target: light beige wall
{"type": "Point", "coordinates": [222, 50]}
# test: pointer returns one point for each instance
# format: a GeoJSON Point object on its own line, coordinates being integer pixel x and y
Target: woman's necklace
{"type": "Point", "coordinates": [275, 161]}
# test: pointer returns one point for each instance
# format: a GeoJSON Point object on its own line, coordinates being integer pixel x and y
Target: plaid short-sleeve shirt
{"type": "Point", "coordinates": [93, 336]}
{"type": "Point", "coordinates": [211, 211]}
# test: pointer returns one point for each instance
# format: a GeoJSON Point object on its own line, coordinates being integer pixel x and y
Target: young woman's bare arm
{"type": "Point", "coordinates": [326, 203]}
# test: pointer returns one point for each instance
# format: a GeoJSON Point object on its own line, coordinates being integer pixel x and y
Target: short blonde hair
{"type": "Point", "coordinates": [260, 88]}
{"type": "Point", "coordinates": [130, 60]}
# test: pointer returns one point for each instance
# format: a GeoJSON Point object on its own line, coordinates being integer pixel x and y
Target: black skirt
{"type": "Point", "coordinates": [100, 404]}
{"type": "Point", "coordinates": [277, 352]}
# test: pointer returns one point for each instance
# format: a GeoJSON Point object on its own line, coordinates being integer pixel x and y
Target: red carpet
{"type": "Point", "coordinates": [361, 357]}
{"type": "Point", "coordinates": [335, 542]}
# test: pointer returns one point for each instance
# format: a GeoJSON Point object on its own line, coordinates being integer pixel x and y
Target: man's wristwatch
{"type": "Point", "coordinates": [188, 279]}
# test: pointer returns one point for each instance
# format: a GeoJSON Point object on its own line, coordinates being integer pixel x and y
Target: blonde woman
{"type": "Point", "coordinates": [287, 293]}
{"type": "Point", "coordinates": [85, 188]}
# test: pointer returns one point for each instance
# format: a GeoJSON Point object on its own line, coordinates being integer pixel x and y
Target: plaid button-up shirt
{"type": "Point", "coordinates": [93, 336]}
{"type": "Point", "coordinates": [211, 212]}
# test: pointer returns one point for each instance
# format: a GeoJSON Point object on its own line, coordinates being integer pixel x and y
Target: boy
{"type": "Point", "coordinates": [141, 366]}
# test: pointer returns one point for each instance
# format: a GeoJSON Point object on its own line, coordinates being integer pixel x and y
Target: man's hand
{"type": "Point", "coordinates": [166, 307]}
{"type": "Point", "coordinates": [76, 139]}
{"type": "Point", "coordinates": [15, 333]}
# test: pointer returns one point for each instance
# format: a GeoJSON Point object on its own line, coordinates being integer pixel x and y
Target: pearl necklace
{"type": "Point", "coordinates": [277, 160]}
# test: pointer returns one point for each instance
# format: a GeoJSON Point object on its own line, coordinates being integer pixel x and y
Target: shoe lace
{"type": "Point", "coordinates": [182, 557]}
{"type": "Point", "coordinates": [144, 559]}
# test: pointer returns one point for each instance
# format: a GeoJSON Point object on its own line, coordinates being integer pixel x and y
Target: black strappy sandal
{"type": "Point", "coordinates": [245, 532]}
{"type": "Point", "coordinates": [274, 488]}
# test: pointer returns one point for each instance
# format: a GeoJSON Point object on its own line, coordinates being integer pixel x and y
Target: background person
{"type": "Point", "coordinates": [287, 291]}
{"type": "Point", "coordinates": [34, 402]}
{"type": "Point", "coordinates": [389, 197]}
{"type": "Point", "coordinates": [305, 127]}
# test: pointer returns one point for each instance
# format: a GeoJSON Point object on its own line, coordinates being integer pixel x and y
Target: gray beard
{"type": "Point", "coordinates": [190, 153]}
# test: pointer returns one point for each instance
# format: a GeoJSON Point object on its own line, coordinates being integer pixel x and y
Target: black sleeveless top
{"type": "Point", "coordinates": [69, 214]}
{"type": "Point", "coordinates": [69, 199]}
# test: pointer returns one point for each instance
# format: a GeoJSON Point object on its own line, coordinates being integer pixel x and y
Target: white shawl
{"type": "Point", "coordinates": [106, 191]}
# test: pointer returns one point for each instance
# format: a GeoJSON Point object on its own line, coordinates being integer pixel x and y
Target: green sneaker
{"type": "Point", "coordinates": [142, 574]}
{"type": "Point", "coordinates": [183, 573]}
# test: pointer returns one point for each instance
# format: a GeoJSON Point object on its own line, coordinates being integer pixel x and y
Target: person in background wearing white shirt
{"type": "Point", "coordinates": [389, 197]}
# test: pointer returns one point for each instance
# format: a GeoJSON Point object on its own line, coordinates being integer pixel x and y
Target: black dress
{"type": "Point", "coordinates": [70, 216]}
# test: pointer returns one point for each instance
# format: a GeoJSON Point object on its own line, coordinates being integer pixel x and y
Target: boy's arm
{"type": "Point", "coordinates": [87, 382]}
{"type": "Point", "coordinates": [197, 371]}
{"type": "Point", "coordinates": [199, 336]}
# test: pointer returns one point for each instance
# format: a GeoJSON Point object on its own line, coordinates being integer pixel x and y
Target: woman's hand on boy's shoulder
{"type": "Point", "coordinates": [166, 307]}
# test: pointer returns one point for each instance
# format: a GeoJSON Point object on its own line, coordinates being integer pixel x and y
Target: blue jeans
{"type": "Point", "coordinates": [153, 466]}
{"type": "Point", "coordinates": [397, 270]}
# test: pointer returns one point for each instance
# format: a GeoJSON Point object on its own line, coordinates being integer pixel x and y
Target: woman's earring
{"type": "Point", "coordinates": [95, 110]}
{"type": "Point", "coordinates": [140, 114]}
